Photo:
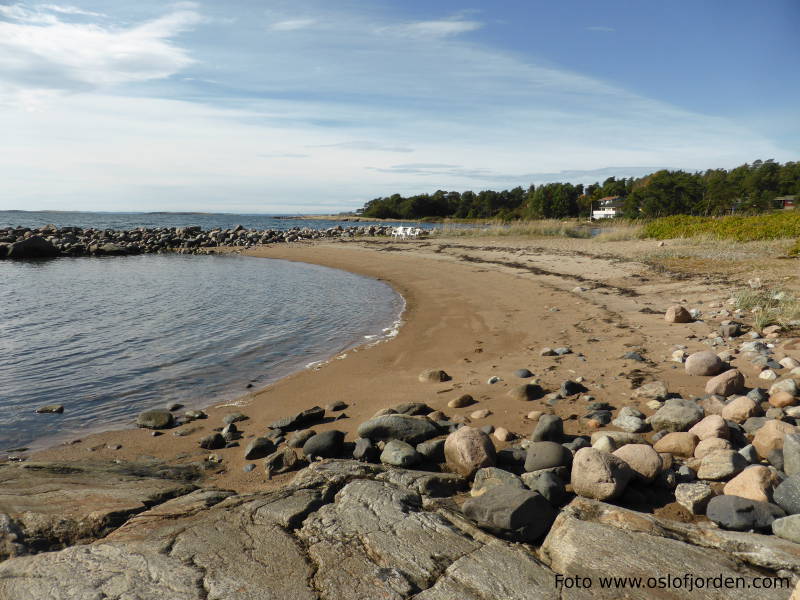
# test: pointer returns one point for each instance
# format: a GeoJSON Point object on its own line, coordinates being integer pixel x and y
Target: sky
{"type": "Point", "coordinates": [270, 106]}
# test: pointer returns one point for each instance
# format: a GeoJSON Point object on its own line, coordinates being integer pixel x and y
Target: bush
{"type": "Point", "coordinates": [772, 226]}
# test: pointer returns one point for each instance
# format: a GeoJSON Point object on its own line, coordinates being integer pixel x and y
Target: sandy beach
{"type": "Point", "coordinates": [477, 308]}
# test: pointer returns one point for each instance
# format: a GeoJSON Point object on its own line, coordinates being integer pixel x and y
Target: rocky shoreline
{"type": "Point", "coordinates": [532, 485]}
{"type": "Point", "coordinates": [51, 241]}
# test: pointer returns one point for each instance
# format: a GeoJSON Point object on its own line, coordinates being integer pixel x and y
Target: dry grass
{"type": "Point", "coordinates": [543, 228]}
{"type": "Point", "coordinates": [611, 231]}
{"type": "Point", "coordinates": [769, 306]}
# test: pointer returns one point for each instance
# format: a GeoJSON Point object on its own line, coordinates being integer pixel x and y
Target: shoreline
{"type": "Point", "coordinates": [477, 309]}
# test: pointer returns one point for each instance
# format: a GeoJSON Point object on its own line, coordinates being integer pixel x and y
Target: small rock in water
{"type": "Point", "coordinates": [173, 406]}
{"type": "Point", "coordinates": [155, 419]}
{"type": "Point", "coordinates": [51, 408]}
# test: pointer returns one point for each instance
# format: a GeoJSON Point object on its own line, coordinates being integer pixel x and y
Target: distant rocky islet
{"type": "Point", "coordinates": [51, 241]}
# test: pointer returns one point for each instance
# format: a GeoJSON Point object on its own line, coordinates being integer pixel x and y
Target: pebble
{"type": "Point", "coordinates": [480, 414]}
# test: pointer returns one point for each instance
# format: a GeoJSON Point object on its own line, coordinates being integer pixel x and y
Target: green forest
{"type": "Point", "coordinates": [747, 189]}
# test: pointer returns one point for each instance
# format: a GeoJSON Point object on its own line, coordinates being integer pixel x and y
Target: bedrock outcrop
{"type": "Point", "coordinates": [349, 530]}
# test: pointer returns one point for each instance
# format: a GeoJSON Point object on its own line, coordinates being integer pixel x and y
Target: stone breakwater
{"type": "Point", "coordinates": [51, 241]}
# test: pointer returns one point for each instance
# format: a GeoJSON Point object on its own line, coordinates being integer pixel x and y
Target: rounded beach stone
{"type": "Point", "coordinates": [548, 484]}
{"type": "Point", "coordinates": [433, 376]}
{"type": "Point", "coordinates": [787, 495]}
{"type": "Point", "coordinates": [327, 444]}
{"type": "Point", "coordinates": [411, 429]}
{"type": "Point", "coordinates": [642, 459]}
{"type": "Point", "coordinates": [490, 477]}
{"type": "Point", "coordinates": [599, 475]}
{"type": "Point", "coordinates": [677, 314]}
{"type": "Point", "coordinates": [786, 385]}
{"type": "Point", "coordinates": [703, 363]}
{"type": "Point", "coordinates": [298, 438]}
{"type": "Point", "coordinates": [770, 437]}
{"type": "Point", "coordinates": [215, 441]}
{"type": "Point", "coordinates": [709, 445]}
{"type": "Point", "coordinates": [712, 426]}
{"type": "Point", "coordinates": [365, 451]}
{"type": "Point", "coordinates": [788, 528]}
{"type": "Point", "coordinates": [549, 428]}
{"type": "Point", "coordinates": [461, 401]}
{"type": "Point", "coordinates": [721, 465]}
{"type": "Point", "coordinates": [546, 455]}
{"type": "Point", "coordinates": [155, 419]}
{"type": "Point", "coordinates": [728, 383]}
{"type": "Point", "coordinates": [510, 512]}
{"type": "Point", "coordinates": [754, 482]}
{"type": "Point", "coordinates": [400, 454]}
{"type": "Point", "coordinates": [234, 418]}
{"type": "Point", "coordinates": [677, 443]}
{"type": "Point", "coordinates": [523, 373]}
{"type": "Point", "coordinates": [480, 414]}
{"type": "Point", "coordinates": [258, 448]}
{"type": "Point", "coordinates": [501, 434]}
{"type": "Point", "coordinates": [782, 399]}
{"type": "Point", "coordinates": [467, 450]}
{"type": "Point", "coordinates": [526, 392]}
{"type": "Point", "coordinates": [677, 414]}
{"type": "Point", "coordinates": [740, 409]}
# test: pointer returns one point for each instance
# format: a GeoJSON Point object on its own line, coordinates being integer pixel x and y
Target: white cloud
{"type": "Point", "coordinates": [433, 29]}
{"type": "Point", "coordinates": [71, 10]}
{"type": "Point", "coordinates": [40, 53]}
{"type": "Point", "coordinates": [292, 24]}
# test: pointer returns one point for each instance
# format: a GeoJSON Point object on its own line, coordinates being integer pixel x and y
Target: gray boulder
{"type": "Point", "coordinates": [677, 414]}
{"type": "Point", "coordinates": [214, 441]}
{"type": "Point", "coordinates": [327, 444]}
{"type": "Point", "coordinates": [400, 454]}
{"type": "Point", "coordinates": [549, 428]}
{"type": "Point", "coordinates": [546, 455]}
{"type": "Point", "coordinates": [742, 514]}
{"type": "Point", "coordinates": [787, 495]}
{"type": "Point", "coordinates": [33, 247]}
{"type": "Point", "coordinates": [510, 512]}
{"type": "Point", "coordinates": [788, 528]}
{"type": "Point", "coordinates": [548, 484]}
{"type": "Point", "coordinates": [258, 448]}
{"type": "Point", "coordinates": [399, 427]}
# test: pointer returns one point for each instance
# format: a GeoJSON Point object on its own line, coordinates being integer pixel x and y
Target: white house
{"type": "Point", "coordinates": [608, 208]}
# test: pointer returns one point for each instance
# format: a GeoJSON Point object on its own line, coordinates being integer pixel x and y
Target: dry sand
{"type": "Point", "coordinates": [476, 308]}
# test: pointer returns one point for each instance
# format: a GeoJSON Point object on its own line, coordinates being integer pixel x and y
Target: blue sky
{"type": "Point", "coordinates": [311, 106]}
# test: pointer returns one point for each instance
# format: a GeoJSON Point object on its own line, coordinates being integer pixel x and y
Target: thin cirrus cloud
{"type": "Point", "coordinates": [436, 29]}
{"type": "Point", "coordinates": [292, 24]}
{"type": "Point", "coordinates": [196, 107]}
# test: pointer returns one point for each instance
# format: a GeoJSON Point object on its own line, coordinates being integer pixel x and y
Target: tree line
{"type": "Point", "coordinates": [748, 189]}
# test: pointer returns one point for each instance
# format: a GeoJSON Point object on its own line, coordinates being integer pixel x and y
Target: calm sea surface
{"type": "Point", "coordinates": [110, 337]}
{"type": "Point", "coordinates": [133, 220]}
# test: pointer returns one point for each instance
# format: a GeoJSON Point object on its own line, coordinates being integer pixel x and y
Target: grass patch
{"type": "Point", "coordinates": [769, 306]}
{"type": "Point", "coordinates": [770, 226]}
{"type": "Point", "coordinates": [543, 228]}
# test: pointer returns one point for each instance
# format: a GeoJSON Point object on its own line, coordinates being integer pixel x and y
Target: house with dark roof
{"type": "Point", "coordinates": [608, 207]}
{"type": "Point", "coordinates": [786, 201]}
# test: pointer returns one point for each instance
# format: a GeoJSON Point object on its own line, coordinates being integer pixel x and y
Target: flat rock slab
{"type": "Point", "coordinates": [594, 539]}
{"type": "Point", "coordinates": [56, 504]}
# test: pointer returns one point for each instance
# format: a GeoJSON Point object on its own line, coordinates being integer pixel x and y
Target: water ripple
{"type": "Point", "coordinates": [109, 337]}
